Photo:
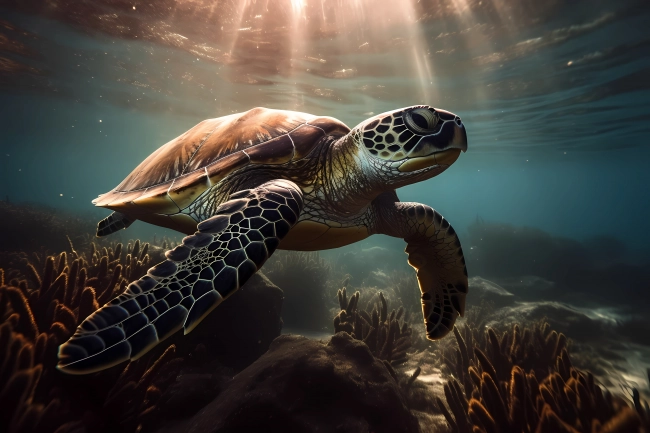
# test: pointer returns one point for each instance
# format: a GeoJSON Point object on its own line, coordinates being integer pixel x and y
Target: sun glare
{"type": "Point", "coordinates": [297, 5]}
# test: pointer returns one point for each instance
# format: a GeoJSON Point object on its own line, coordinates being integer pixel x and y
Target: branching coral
{"type": "Point", "coordinates": [387, 335]}
{"type": "Point", "coordinates": [533, 348]}
{"type": "Point", "coordinates": [40, 310]}
{"type": "Point", "coordinates": [302, 276]}
{"type": "Point", "coordinates": [25, 227]}
{"type": "Point", "coordinates": [164, 243]}
{"type": "Point", "coordinates": [406, 288]}
{"type": "Point", "coordinates": [641, 406]}
{"type": "Point", "coordinates": [497, 395]}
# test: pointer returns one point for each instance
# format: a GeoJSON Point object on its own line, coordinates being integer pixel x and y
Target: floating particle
{"type": "Point", "coordinates": [60, 195]}
{"type": "Point", "coordinates": [100, 120]}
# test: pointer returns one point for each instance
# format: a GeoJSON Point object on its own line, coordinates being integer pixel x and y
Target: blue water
{"type": "Point", "coordinates": [551, 201]}
{"type": "Point", "coordinates": [557, 105]}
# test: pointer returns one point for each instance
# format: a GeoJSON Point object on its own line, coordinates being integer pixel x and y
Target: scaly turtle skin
{"type": "Point", "coordinates": [243, 185]}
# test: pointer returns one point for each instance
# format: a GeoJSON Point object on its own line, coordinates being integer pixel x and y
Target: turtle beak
{"type": "Point", "coordinates": [441, 149]}
{"type": "Point", "coordinates": [459, 137]}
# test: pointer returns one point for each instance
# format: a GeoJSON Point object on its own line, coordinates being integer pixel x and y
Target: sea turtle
{"type": "Point", "coordinates": [243, 185]}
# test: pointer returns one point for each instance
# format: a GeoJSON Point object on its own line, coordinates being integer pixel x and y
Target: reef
{"type": "Point", "coordinates": [524, 381]}
{"type": "Point", "coordinates": [503, 369]}
{"type": "Point", "coordinates": [387, 336]}
{"type": "Point", "coordinates": [302, 385]}
{"type": "Point", "coordinates": [31, 228]}
{"type": "Point", "coordinates": [599, 268]}
{"type": "Point", "coordinates": [303, 277]}
{"type": "Point", "coordinates": [363, 266]}
{"type": "Point", "coordinates": [404, 285]}
{"type": "Point", "coordinates": [41, 308]}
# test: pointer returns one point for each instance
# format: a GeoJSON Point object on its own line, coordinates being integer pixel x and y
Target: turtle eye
{"type": "Point", "coordinates": [421, 120]}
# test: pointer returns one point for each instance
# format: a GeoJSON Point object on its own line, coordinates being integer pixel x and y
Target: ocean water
{"type": "Point", "coordinates": [554, 96]}
{"type": "Point", "coordinates": [551, 201]}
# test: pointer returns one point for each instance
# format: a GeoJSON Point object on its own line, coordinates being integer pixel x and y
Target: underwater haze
{"type": "Point", "coordinates": [551, 203]}
{"type": "Point", "coordinates": [554, 95]}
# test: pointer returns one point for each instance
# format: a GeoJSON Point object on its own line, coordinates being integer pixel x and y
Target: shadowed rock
{"type": "Point", "coordinates": [241, 330]}
{"type": "Point", "coordinates": [301, 385]}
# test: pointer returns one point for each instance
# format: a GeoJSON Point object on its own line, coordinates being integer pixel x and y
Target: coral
{"type": "Point", "coordinates": [531, 348]}
{"type": "Point", "coordinates": [499, 389]}
{"type": "Point", "coordinates": [597, 268]}
{"type": "Point", "coordinates": [164, 243]}
{"type": "Point", "coordinates": [302, 277]}
{"type": "Point", "coordinates": [641, 406]}
{"type": "Point", "coordinates": [406, 288]}
{"type": "Point", "coordinates": [387, 336]}
{"type": "Point", "coordinates": [500, 250]}
{"type": "Point", "coordinates": [25, 227]}
{"type": "Point", "coordinates": [49, 297]}
{"type": "Point", "coordinates": [41, 309]}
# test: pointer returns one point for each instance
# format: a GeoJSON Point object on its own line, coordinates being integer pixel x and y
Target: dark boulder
{"type": "Point", "coordinates": [302, 385]}
{"type": "Point", "coordinates": [481, 290]}
{"type": "Point", "coordinates": [564, 318]}
{"type": "Point", "coordinates": [241, 329]}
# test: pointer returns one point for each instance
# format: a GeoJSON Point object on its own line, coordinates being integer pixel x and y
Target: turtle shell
{"type": "Point", "coordinates": [172, 177]}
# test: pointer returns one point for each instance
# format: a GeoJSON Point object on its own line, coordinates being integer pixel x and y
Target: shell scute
{"type": "Point", "coordinates": [276, 151]}
{"type": "Point", "coordinates": [187, 188]}
{"type": "Point", "coordinates": [157, 200]}
{"type": "Point", "coordinates": [330, 125]}
{"type": "Point", "coordinates": [174, 175]}
{"type": "Point", "coordinates": [304, 139]}
{"type": "Point", "coordinates": [169, 161]}
{"type": "Point", "coordinates": [245, 130]}
{"type": "Point", "coordinates": [227, 165]}
{"type": "Point", "coordinates": [126, 198]}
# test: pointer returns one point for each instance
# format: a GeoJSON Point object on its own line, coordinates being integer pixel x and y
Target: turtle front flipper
{"type": "Point", "coordinates": [196, 277]}
{"type": "Point", "coordinates": [114, 222]}
{"type": "Point", "coordinates": [434, 251]}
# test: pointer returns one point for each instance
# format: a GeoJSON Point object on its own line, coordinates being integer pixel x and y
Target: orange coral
{"type": "Point", "coordinates": [382, 332]}
{"type": "Point", "coordinates": [566, 400]}
{"type": "Point", "coordinates": [40, 310]}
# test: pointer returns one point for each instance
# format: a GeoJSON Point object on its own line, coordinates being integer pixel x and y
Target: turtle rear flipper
{"type": "Point", "coordinates": [114, 222]}
{"type": "Point", "coordinates": [196, 277]}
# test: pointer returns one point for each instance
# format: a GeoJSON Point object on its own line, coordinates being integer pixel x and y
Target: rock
{"type": "Point", "coordinates": [359, 264]}
{"type": "Point", "coordinates": [562, 318]}
{"type": "Point", "coordinates": [481, 289]}
{"type": "Point", "coordinates": [528, 287]}
{"type": "Point", "coordinates": [241, 329]}
{"type": "Point", "coordinates": [302, 385]}
{"type": "Point", "coordinates": [189, 393]}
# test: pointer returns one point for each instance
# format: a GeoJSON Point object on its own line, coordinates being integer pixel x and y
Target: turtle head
{"type": "Point", "coordinates": [411, 144]}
